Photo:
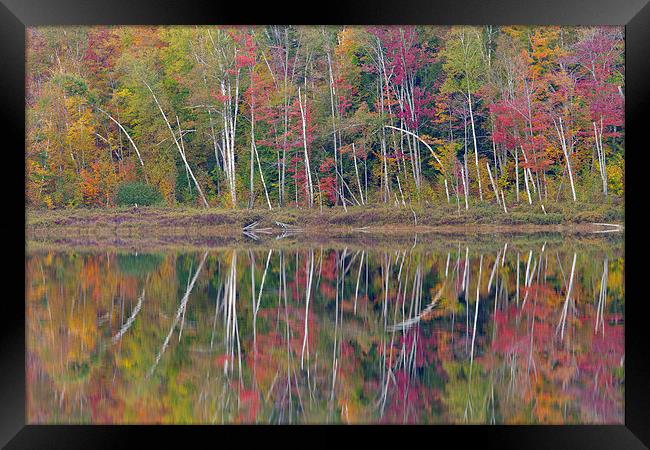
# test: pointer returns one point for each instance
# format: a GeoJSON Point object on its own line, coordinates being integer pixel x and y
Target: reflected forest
{"type": "Point", "coordinates": [516, 334]}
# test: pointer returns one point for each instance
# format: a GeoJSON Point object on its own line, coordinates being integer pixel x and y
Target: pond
{"type": "Point", "coordinates": [461, 330]}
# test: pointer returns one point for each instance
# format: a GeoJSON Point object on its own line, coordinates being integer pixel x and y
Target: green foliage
{"type": "Point", "coordinates": [464, 64]}
{"type": "Point", "coordinates": [71, 84]}
{"type": "Point", "coordinates": [138, 264]}
{"type": "Point", "coordinates": [138, 193]}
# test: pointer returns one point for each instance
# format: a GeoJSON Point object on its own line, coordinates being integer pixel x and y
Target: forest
{"type": "Point", "coordinates": [324, 116]}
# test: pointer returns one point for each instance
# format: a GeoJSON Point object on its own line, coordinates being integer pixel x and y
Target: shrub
{"type": "Point", "coordinates": [129, 194]}
{"type": "Point", "coordinates": [616, 175]}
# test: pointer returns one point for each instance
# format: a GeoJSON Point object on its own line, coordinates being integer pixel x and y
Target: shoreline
{"type": "Point", "coordinates": [525, 218]}
{"type": "Point", "coordinates": [331, 221]}
{"type": "Point", "coordinates": [427, 241]}
{"type": "Point", "coordinates": [165, 227]}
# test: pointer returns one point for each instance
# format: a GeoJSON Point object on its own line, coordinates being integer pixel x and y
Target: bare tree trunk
{"type": "Point", "coordinates": [310, 275]}
{"type": "Point", "coordinates": [560, 132]}
{"type": "Point", "coordinates": [494, 186]}
{"type": "Point", "coordinates": [494, 151]}
{"type": "Point", "coordinates": [399, 185]}
{"type": "Point", "coordinates": [180, 150]}
{"type": "Point", "coordinates": [365, 176]}
{"type": "Point", "coordinates": [471, 117]}
{"type": "Point", "coordinates": [517, 173]}
{"type": "Point", "coordinates": [332, 89]}
{"type": "Point", "coordinates": [137, 152]}
{"type": "Point", "coordinates": [303, 115]}
{"type": "Point", "coordinates": [466, 179]}
{"type": "Point", "coordinates": [421, 140]}
{"type": "Point", "coordinates": [530, 200]}
{"type": "Point", "coordinates": [229, 131]}
{"type": "Point", "coordinates": [252, 171]}
{"type": "Point", "coordinates": [380, 68]}
{"type": "Point", "coordinates": [257, 156]}
{"type": "Point", "coordinates": [601, 156]}
{"type": "Point", "coordinates": [286, 118]}
{"type": "Point", "coordinates": [356, 169]}
{"type": "Point", "coordinates": [442, 167]}
{"type": "Point", "coordinates": [187, 166]}
{"type": "Point", "coordinates": [447, 191]}
{"type": "Point", "coordinates": [462, 173]}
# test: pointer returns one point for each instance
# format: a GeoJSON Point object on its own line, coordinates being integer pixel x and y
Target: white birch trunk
{"type": "Point", "coordinates": [304, 140]}
{"type": "Point", "coordinates": [494, 186]}
{"type": "Point", "coordinates": [560, 132]}
{"type": "Point", "coordinates": [530, 200]}
{"type": "Point", "coordinates": [517, 173]}
{"type": "Point", "coordinates": [356, 169]}
{"type": "Point", "coordinates": [471, 118]}
{"type": "Point", "coordinates": [137, 152]}
{"type": "Point", "coordinates": [601, 157]}
{"type": "Point", "coordinates": [180, 150]}
{"type": "Point", "coordinates": [462, 173]}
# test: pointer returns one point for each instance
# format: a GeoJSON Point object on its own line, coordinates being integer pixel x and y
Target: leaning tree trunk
{"type": "Point", "coordinates": [560, 132]}
{"type": "Point", "coordinates": [442, 167]}
{"type": "Point", "coordinates": [137, 152]}
{"type": "Point", "coordinates": [530, 200]}
{"type": "Point", "coordinates": [356, 170]}
{"type": "Point", "coordinates": [471, 118]}
{"type": "Point", "coordinates": [180, 150]}
{"type": "Point", "coordinates": [601, 155]}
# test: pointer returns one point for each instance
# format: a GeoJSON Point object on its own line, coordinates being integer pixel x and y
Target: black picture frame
{"type": "Point", "coordinates": [16, 15]}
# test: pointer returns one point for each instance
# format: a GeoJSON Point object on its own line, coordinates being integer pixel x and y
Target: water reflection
{"type": "Point", "coordinates": [523, 333]}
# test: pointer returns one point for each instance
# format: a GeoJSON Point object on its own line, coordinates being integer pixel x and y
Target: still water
{"type": "Point", "coordinates": [524, 331]}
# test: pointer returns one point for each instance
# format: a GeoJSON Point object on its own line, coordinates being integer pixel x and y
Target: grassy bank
{"type": "Point", "coordinates": [190, 223]}
{"type": "Point", "coordinates": [608, 242]}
